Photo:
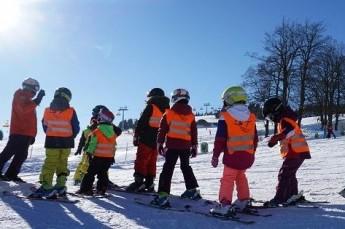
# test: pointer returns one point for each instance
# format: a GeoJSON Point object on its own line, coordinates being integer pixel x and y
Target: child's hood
{"type": "Point", "coordinates": [239, 111]}
{"type": "Point", "coordinates": [107, 130]}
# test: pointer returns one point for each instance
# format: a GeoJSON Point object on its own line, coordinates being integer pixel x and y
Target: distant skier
{"type": "Point", "coordinates": [61, 125]}
{"type": "Point", "coordinates": [330, 131]}
{"type": "Point", "coordinates": [145, 138]}
{"type": "Point", "coordinates": [101, 151]}
{"type": "Point", "coordinates": [293, 148]}
{"type": "Point", "coordinates": [23, 128]}
{"type": "Point", "coordinates": [179, 133]}
{"type": "Point", "coordinates": [237, 137]}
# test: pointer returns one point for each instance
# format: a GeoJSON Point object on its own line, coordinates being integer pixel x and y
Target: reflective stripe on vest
{"type": "Point", "coordinates": [106, 147]}
{"type": "Point", "coordinates": [240, 134]}
{"type": "Point", "coordinates": [156, 117]}
{"type": "Point", "coordinates": [58, 122]}
{"type": "Point", "coordinates": [297, 141]}
{"type": "Point", "coordinates": [179, 125]}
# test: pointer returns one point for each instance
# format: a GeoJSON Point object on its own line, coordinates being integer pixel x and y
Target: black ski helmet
{"type": "Point", "coordinates": [155, 92]}
{"type": "Point", "coordinates": [273, 108]}
{"type": "Point", "coordinates": [97, 109]}
{"type": "Point", "coordinates": [64, 93]}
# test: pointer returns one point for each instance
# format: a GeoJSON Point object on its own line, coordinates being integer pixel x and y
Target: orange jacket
{"type": "Point", "coordinates": [105, 145]}
{"type": "Point", "coordinates": [241, 134]}
{"type": "Point", "coordinates": [23, 118]}
{"type": "Point", "coordinates": [179, 125]}
{"type": "Point", "coordinates": [155, 117]}
{"type": "Point", "coordinates": [296, 142]}
{"type": "Point", "coordinates": [58, 122]}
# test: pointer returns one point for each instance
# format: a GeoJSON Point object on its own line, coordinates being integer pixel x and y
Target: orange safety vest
{"type": "Point", "coordinates": [297, 141]}
{"type": "Point", "coordinates": [105, 146]}
{"type": "Point", "coordinates": [156, 117]}
{"type": "Point", "coordinates": [179, 125]}
{"type": "Point", "coordinates": [241, 134]}
{"type": "Point", "coordinates": [58, 122]}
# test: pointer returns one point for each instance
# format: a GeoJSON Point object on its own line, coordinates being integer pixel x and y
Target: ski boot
{"type": "Point", "coordinates": [226, 210]}
{"type": "Point", "coordinates": [161, 200]}
{"type": "Point", "coordinates": [41, 192]}
{"type": "Point", "coordinates": [242, 205]}
{"type": "Point", "coordinates": [271, 204]}
{"type": "Point", "coordinates": [149, 185]}
{"type": "Point", "coordinates": [84, 192]}
{"type": "Point", "coordinates": [59, 192]}
{"type": "Point", "coordinates": [193, 194]}
{"type": "Point", "coordinates": [138, 185]}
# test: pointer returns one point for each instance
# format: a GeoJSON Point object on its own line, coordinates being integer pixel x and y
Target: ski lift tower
{"type": "Point", "coordinates": [123, 109]}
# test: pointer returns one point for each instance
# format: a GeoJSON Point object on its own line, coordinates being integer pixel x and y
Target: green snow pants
{"type": "Point", "coordinates": [55, 162]}
{"type": "Point", "coordinates": [82, 168]}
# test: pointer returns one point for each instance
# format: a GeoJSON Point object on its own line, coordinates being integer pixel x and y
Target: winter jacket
{"type": "Point", "coordinates": [143, 131]}
{"type": "Point", "coordinates": [240, 160]}
{"type": "Point", "coordinates": [102, 141]}
{"type": "Point", "coordinates": [59, 105]}
{"type": "Point", "coordinates": [178, 143]}
{"type": "Point", "coordinates": [84, 138]}
{"type": "Point", "coordinates": [288, 131]}
{"type": "Point", "coordinates": [23, 118]}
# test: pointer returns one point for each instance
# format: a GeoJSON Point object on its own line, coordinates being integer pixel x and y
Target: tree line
{"type": "Point", "coordinates": [303, 66]}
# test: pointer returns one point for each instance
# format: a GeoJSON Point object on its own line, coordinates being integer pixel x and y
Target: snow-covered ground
{"type": "Point", "coordinates": [321, 178]}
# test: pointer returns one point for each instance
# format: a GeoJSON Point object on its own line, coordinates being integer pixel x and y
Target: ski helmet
{"type": "Point", "coordinates": [105, 116]}
{"type": "Point", "coordinates": [155, 92]}
{"type": "Point", "coordinates": [273, 108]}
{"type": "Point", "coordinates": [179, 94]}
{"type": "Point", "coordinates": [31, 85]}
{"type": "Point", "coordinates": [97, 109]}
{"type": "Point", "coordinates": [234, 95]}
{"type": "Point", "coordinates": [64, 93]}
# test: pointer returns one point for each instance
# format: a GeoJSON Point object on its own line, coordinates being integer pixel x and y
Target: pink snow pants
{"type": "Point", "coordinates": [230, 177]}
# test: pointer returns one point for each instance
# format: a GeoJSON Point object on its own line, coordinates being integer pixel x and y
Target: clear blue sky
{"type": "Point", "coordinates": [112, 52]}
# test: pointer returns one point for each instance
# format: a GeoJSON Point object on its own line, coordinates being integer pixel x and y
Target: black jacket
{"type": "Point", "coordinates": [143, 131]}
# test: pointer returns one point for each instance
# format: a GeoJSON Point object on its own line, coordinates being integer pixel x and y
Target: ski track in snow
{"type": "Point", "coordinates": [321, 178]}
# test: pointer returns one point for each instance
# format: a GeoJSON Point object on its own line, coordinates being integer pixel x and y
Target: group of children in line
{"type": "Point", "coordinates": [168, 131]}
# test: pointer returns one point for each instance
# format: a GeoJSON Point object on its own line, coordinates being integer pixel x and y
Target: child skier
{"type": "Point", "coordinates": [145, 138]}
{"type": "Point", "coordinates": [61, 125]}
{"type": "Point", "coordinates": [101, 151]}
{"type": "Point", "coordinates": [179, 133]}
{"type": "Point", "coordinates": [293, 148]}
{"type": "Point", "coordinates": [330, 131]}
{"type": "Point", "coordinates": [84, 163]}
{"type": "Point", "coordinates": [23, 128]}
{"type": "Point", "coordinates": [237, 137]}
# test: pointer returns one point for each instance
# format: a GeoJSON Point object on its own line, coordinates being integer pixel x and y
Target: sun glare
{"type": "Point", "coordinates": [10, 13]}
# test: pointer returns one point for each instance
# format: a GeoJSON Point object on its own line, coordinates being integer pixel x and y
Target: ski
{"type": "Point", "coordinates": [96, 196]}
{"type": "Point", "coordinates": [123, 189]}
{"type": "Point", "coordinates": [59, 199]}
{"type": "Point", "coordinates": [141, 202]}
{"type": "Point", "coordinates": [253, 212]}
{"type": "Point", "coordinates": [225, 218]}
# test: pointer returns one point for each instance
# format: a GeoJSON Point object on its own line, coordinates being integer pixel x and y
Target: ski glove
{"type": "Point", "coordinates": [135, 141]}
{"type": "Point", "coordinates": [274, 139]}
{"type": "Point", "coordinates": [39, 97]}
{"type": "Point", "coordinates": [193, 151]}
{"type": "Point", "coordinates": [214, 162]}
{"type": "Point", "coordinates": [78, 152]}
{"type": "Point", "coordinates": [161, 150]}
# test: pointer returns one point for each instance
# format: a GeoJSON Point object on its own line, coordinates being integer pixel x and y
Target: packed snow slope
{"type": "Point", "coordinates": [321, 178]}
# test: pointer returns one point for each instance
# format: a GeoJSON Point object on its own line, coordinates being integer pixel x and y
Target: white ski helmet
{"type": "Point", "coordinates": [31, 85]}
{"type": "Point", "coordinates": [179, 94]}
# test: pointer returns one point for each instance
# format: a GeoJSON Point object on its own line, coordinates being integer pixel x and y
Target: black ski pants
{"type": "Point", "coordinates": [17, 146]}
{"type": "Point", "coordinates": [98, 166]}
{"type": "Point", "coordinates": [287, 181]}
{"type": "Point", "coordinates": [168, 170]}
